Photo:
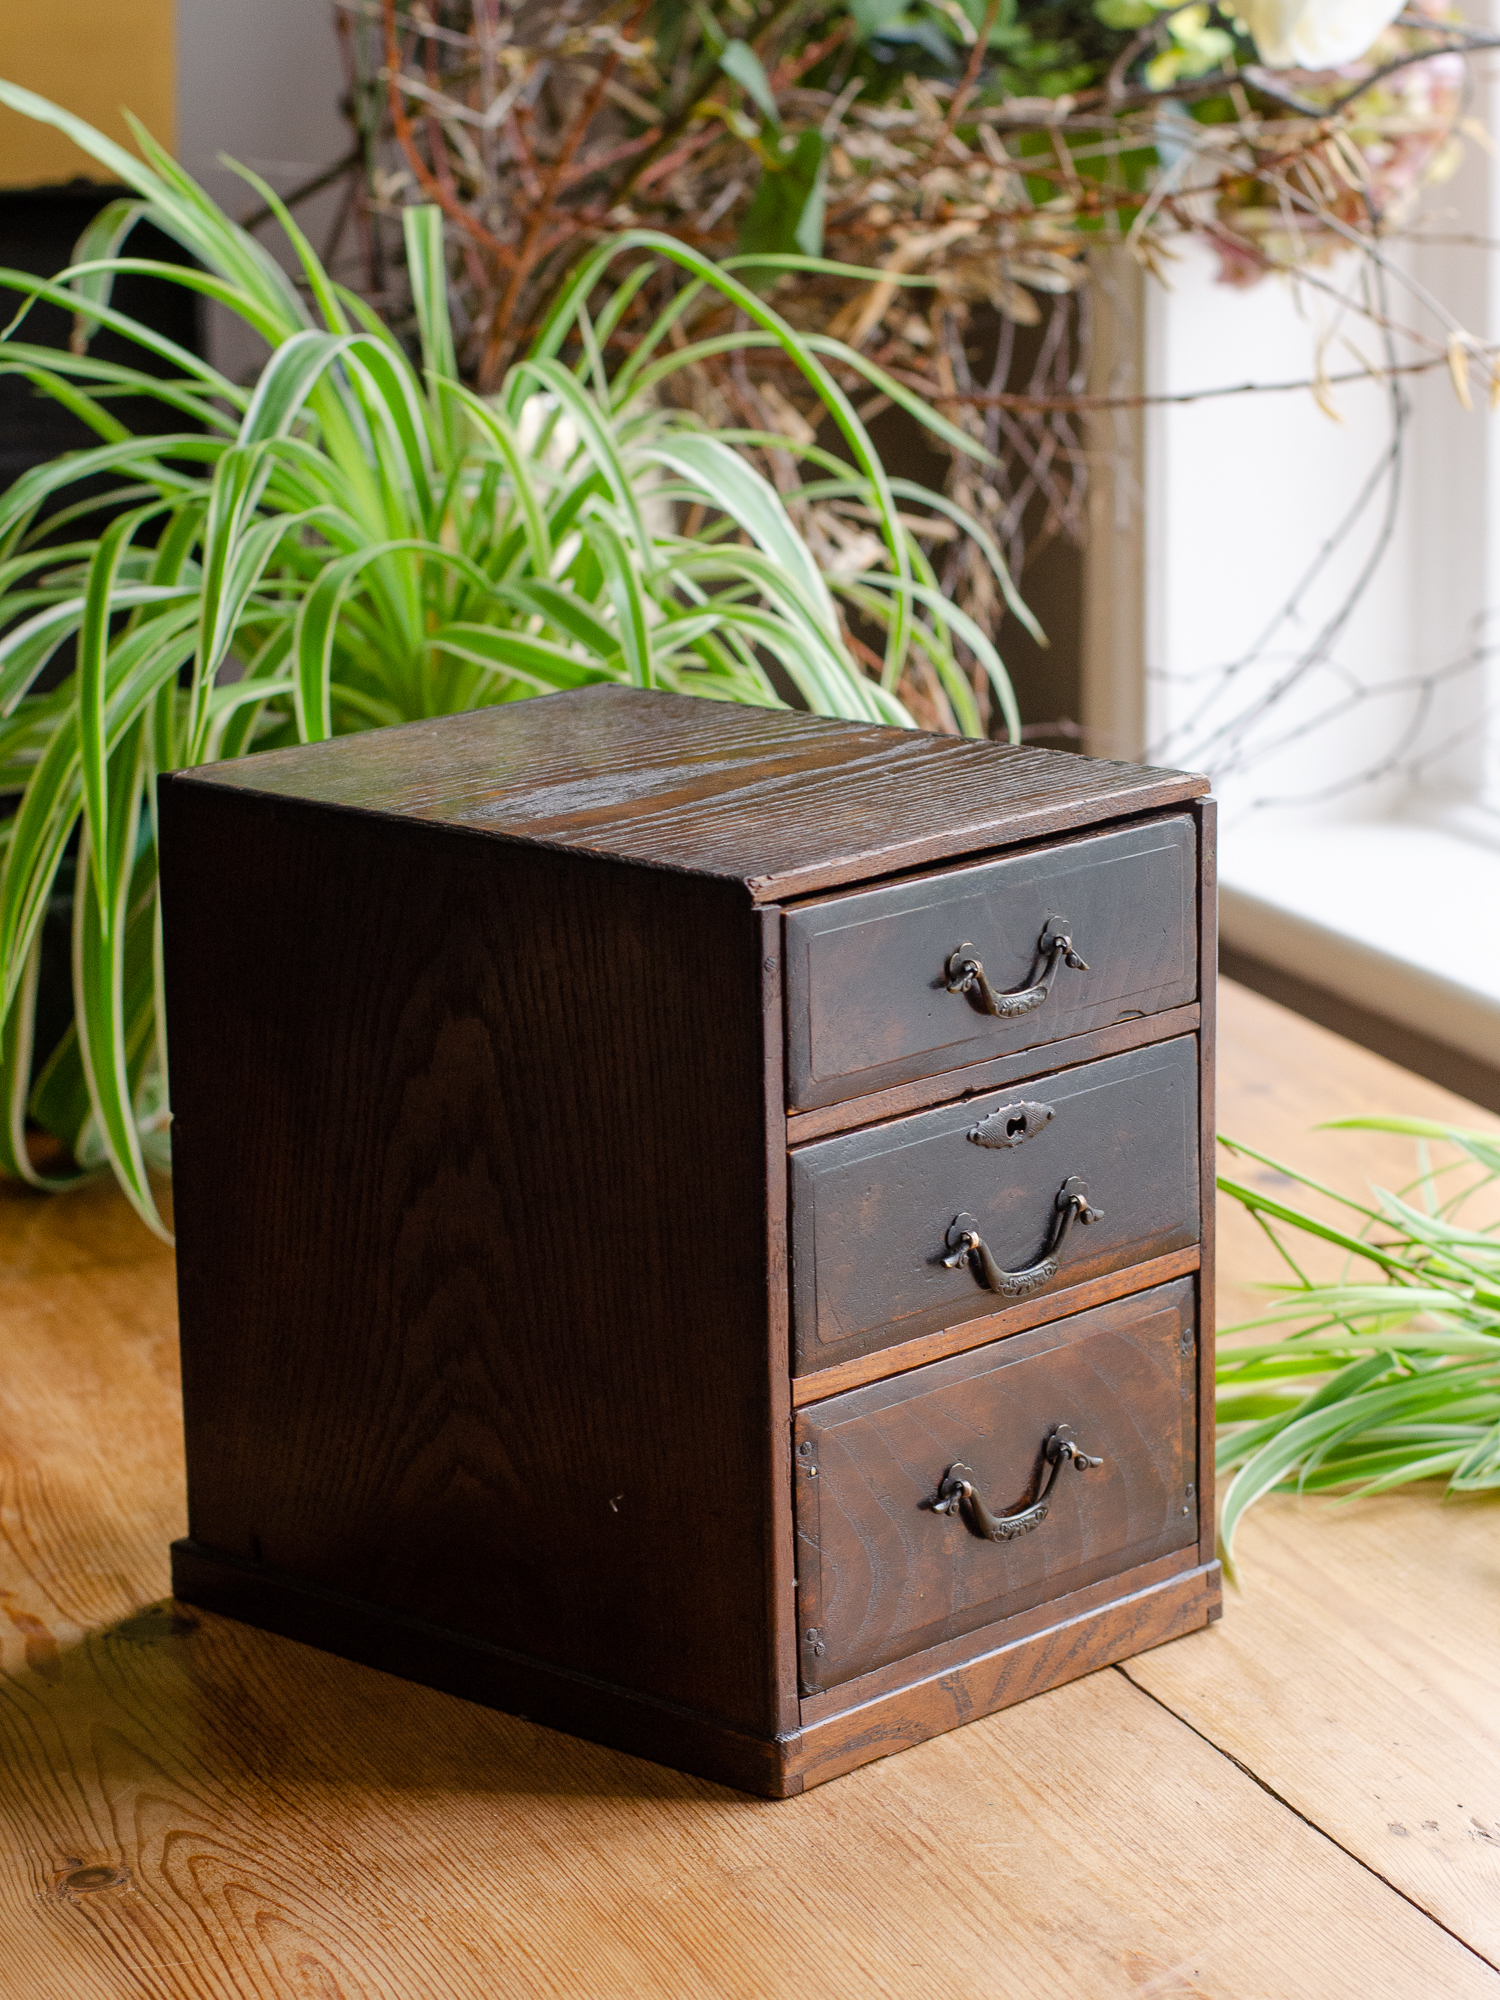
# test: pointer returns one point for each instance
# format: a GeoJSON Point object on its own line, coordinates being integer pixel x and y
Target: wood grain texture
{"type": "Point", "coordinates": [480, 1137]}
{"type": "Point", "coordinates": [1355, 1670]}
{"type": "Point", "coordinates": [90, 1422]}
{"type": "Point", "coordinates": [781, 1564]}
{"type": "Point", "coordinates": [269, 1821]}
{"type": "Point", "coordinates": [934, 1662]}
{"type": "Point", "coordinates": [1013, 1659]}
{"type": "Point", "coordinates": [880, 1574]}
{"type": "Point", "coordinates": [785, 803]}
{"type": "Point", "coordinates": [1282, 1081]}
{"type": "Point", "coordinates": [871, 1208]}
{"type": "Point", "coordinates": [1206, 813]}
{"type": "Point", "coordinates": [888, 1362]}
{"type": "Point", "coordinates": [437, 1656]}
{"type": "Point", "coordinates": [471, 1166]}
{"type": "Point", "coordinates": [868, 1004]}
{"type": "Point", "coordinates": [1011, 1673]}
{"type": "Point", "coordinates": [975, 1078]}
{"type": "Point", "coordinates": [1356, 1673]}
{"type": "Point", "coordinates": [376, 1841]}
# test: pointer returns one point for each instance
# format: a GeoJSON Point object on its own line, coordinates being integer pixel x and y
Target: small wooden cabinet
{"type": "Point", "coordinates": [694, 1222]}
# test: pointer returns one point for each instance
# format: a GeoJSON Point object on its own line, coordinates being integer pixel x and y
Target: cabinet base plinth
{"type": "Point", "coordinates": [1005, 1674]}
{"type": "Point", "coordinates": [665, 1734]}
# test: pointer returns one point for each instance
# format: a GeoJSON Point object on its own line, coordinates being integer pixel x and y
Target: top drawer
{"type": "Point", "coordinates": [868, 1000]}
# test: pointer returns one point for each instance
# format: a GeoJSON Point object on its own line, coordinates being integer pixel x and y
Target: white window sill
{"type": "Point", "coordinates": [1400, 919]}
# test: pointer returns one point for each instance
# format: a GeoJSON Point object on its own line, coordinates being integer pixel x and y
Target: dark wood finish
{"type": "Point", "coordinates": [887, 1362]}
{"type": "Point", "coordinates": [473, 1202]}
{"type": "Point", "coordinates": [870, 1210]}
{"type": "Point", "coordinates": [974, 1078]}
{"type": "Point", "coordinates": [1206, 812]}
{"type": "Point", "coordinates": [781, 1566]}
{"type": "Point", "coordinates": [868, 1004]}
{"type": "Point", "coordinates": [880, 1574]}
{"type": "Point", "coordinates": [1028, 1658]}
{"type": "Point", "coordinates": [913, 1668]}
{"type": "Point", "coordinates": [787, 804]}
{"type": "Point", "coordinates": [459, 1663]}
{"type": "Point", "coordinates": [484, 1183]}
{"type": "Point", "coordinates": [1009, 1674]}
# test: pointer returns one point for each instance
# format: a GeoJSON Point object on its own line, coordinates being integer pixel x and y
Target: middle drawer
{"type": "Point", "coordinates": [906, 1228]}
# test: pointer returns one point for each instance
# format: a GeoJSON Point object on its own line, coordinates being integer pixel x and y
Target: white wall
{"type": "Point", "coordinates": [1455, 483]}
{"type": "Point", "coordinates": [1376, 882]}
{"type": "Point", "coordinates": [259, 80]}
{"type": "Point", "coordinates": [1242, 493]}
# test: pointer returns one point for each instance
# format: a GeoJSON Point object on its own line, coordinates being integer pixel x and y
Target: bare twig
{"type": "Point", "coordinates": [1083, 405]}
{"type": "Point", "coordinates": [533, 242]}
{"type": "Point", "coordinates": [972, 68]}
{"type": "Point", "coordinates": [305, 190]}
{"type": "Point", "coordinates": [455, 210]}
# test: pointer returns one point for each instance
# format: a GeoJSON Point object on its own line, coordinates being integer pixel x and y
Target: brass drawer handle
{"type": "Point", "coordinates": [967, 975]}
{"type": "Point", "coordinates": [958, 1495]}
{"type": "Point", "coordinates": [967, 1246]}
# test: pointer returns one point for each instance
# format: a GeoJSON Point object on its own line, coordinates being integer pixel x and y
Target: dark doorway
{"type": "Point", "coordinates": [38, 229]}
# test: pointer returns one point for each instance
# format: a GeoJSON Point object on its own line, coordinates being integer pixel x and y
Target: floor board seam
{"type": "Point", "coordinates": [1271, 1792]}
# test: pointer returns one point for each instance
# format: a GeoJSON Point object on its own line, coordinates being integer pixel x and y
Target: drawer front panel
{"type": "Point", "coordinates": [872, 1210]}
{"type": "Point", "coordinates": [882, 1574]}
{"type": "Point", "coordinates": [867, 990]}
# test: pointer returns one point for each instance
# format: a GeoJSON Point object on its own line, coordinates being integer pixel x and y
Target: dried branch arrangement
{"type": "Point", "coordinates": [960, 160]}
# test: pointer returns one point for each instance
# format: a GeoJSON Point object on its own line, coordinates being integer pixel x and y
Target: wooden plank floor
{"type": "Point", "coordinates": [1301, 1801]}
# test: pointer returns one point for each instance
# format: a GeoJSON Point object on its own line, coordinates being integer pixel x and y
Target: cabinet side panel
{"type": "Point", "coordinates": [780, 1528]}
{"type": "Point", "coordinates": [471, 1192]}
{"type": "Point", "coordinates": [1207, 814]}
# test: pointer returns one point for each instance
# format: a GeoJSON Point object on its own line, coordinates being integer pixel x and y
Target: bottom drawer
{"type": "Point", "coordinates": [882, 1572]}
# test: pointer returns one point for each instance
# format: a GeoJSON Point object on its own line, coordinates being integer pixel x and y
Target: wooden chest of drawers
{"type": "Point", "coordinates": [694, 1221]}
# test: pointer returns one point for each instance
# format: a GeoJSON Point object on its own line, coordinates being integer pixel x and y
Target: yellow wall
{"type": "Point", "coordinates": [94, 57]}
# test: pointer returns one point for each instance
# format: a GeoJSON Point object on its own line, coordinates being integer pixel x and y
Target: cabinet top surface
{"type": "Point", "coordinates": [785, 803]}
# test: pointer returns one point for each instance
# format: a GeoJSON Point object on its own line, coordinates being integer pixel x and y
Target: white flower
{"type": "Point", "coordinates": [1315, 34]}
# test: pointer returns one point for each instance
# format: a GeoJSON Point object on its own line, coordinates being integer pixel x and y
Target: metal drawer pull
{"type": "Point", "coordinates": [957, 1493]}
{"type": "Point", "coordinates": [967, 1246]}
{"type": "Point", "coordinates": [966, 974]}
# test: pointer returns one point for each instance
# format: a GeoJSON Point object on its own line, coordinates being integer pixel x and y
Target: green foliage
{"type": "Point", "coordinates": [361, 541]}
{"type": "Point", "coordinates": [1392, 1374]}
{"type": "Point", "coordinates": [742, 65]}
{"type": "Point", "coordinates": [1041, 48]}
{"type": "Point", "coordinates": [787, 211]}
{"type": "Point", "coordinates": [1044, 50]}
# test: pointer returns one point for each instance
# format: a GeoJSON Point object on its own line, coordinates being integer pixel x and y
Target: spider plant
{"type": "Point", "coordinates": [362, 540]}
{"type": "Point", "coordinates": [1392, 1373]}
